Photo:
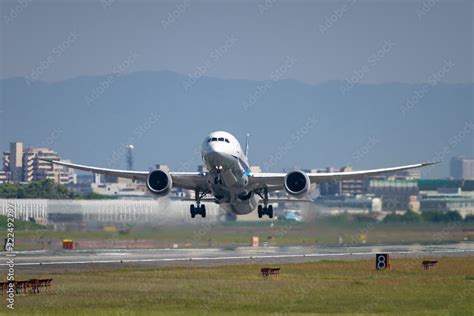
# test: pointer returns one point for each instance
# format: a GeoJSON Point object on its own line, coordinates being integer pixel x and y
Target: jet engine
{"type": "Point", "coordinates": [159, 182]}
{"type": "Point", "coordinates": [297, 183]}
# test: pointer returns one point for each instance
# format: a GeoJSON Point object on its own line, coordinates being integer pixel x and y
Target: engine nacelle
{"type": "Point", "coordinates": [159, 182]}
{"type": "Point", "coordinates": [297, 183]}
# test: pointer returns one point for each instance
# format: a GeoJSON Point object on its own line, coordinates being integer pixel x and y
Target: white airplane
{"type": "Point", "coordinates": [229, 180]}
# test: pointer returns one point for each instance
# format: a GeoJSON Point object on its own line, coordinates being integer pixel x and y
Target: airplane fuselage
{"type": "Point", "coordinates": [229, 172]}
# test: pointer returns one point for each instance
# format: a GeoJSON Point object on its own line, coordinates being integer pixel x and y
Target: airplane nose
{"type": "Point", "coordinates": [212, 145]}
{"type": "Point", "coordinates": [212, 160]}
{"type": "Point", "coordinates": [215, 147]}
{"type": "Point", "coordinates": [218, 159]}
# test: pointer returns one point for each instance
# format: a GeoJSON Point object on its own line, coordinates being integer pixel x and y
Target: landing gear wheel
{"type": "Point", "coordinates": [270, 211]}
{"type": "Point", "coordinates": [264, 209]}
{"type": "Point", "coordinates": [198, 208]}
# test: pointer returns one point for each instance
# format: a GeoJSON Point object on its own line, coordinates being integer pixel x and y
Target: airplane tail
{"type": "Point", "coordinates": [247, 146]}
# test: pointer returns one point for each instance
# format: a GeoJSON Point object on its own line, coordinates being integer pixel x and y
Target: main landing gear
{"type": "Point", "coordinates": [265, 209]}
{"type": "Point", "coordinates": [198, 209]}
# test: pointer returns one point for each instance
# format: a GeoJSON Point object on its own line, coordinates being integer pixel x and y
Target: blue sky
{"type": "Point", "coordinates": [330, 40]}
{"type": "Point", "coordinates": [351, 41]}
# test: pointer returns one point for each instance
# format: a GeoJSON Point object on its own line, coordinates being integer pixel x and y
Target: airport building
{"type": "Point", "coordinates": [357, 187]}
{"type": "Point", "coordinates": [82, 184]}
{"type": "Point", "coordinates": [15, 162]}
{"type": "Point", "coordinates": [462, 168]}
{"type": "Point", "coordinates": [119, 189]}
{"type": "Point", "coordinates": [395, 194]}
{"type": "Point", "coordinates": [255, 169]}
{"type": "Point", "coordinates": [35, 169]}
{"type": "Point", "coordinates": [360, 204]}
{"type": "Point", "coordinates": [411, 174]}
{"type": "Point", "coordinates": [346, 187]}
{"type": "Point", "coordinates": [447, 195]}
{"type": "Point", "coordinates": [441, 202]}
{"type": "Point", "coordinates": [23, 165]}
{"type": "Point", "coordinates": [4, 177]}
{"type": "Point", "coordinates": [350, 187]}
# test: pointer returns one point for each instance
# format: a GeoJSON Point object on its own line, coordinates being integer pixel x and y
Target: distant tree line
{"type": "Point", "coordinates": [44, 189]}
{"type": "Point", "coordinates": [430, 216]}
{"type": "Point", "coordinates": [407, 217]}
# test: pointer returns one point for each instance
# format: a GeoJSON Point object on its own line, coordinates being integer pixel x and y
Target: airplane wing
{"type": "Point", "coordinates": [275, 181]}
{"type": "Point", "coordinates": [185, 180]}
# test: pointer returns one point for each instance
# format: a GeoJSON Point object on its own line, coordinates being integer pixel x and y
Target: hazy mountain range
{"type": "Point", "coordinates": [166, 116]}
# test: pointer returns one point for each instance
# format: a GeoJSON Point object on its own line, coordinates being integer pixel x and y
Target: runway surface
{"type": "Point", "coordinates": [86, 259]}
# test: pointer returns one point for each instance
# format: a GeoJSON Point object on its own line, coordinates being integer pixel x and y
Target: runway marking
{"type": "Point", "coordinates": [113, 254]}
{"type": "Point", "coordinates": [247, 257]}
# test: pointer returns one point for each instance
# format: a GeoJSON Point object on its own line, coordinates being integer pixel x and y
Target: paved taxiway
{"type": "Point", "coordinates": [47, 260]}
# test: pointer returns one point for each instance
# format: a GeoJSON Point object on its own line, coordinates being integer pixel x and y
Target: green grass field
{"type": "Point", "coordinates": [328, 287]}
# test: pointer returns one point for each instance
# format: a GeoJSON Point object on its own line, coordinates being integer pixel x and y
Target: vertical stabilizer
{"type": "Point", "coordinates": [247, 146]}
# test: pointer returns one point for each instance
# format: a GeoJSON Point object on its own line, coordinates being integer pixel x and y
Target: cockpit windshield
{"type": "Point", "coordinates": [218, 139]}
